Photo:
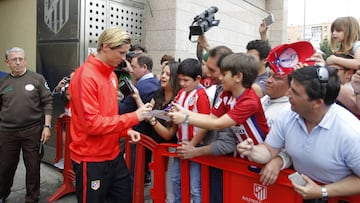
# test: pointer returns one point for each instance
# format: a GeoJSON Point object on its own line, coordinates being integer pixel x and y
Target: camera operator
{"type": "Point", "coordinates": [124, 69]}
{"type": "Point", "coordinates": [63, 83]}
{"type": "Point", "coordinates": [212, 140]}
{"type": "Point", "coordinates": [63, 89]}
{"type": "Point", "coordinates": [203, 22]}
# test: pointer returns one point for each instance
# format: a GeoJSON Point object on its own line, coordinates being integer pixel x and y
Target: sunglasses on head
{"type": "Point", "coordinates": [322, 74]}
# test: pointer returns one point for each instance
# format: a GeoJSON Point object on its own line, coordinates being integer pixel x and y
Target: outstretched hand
{"type": "Point", "coordinates": [143, 111]}
{"type": "Point", "coordinates": [245, 148]}
{"type": "Point", "coordinates": [177, 113]}
{"type": "Point", "coordinates": [263, 28]}
{"type": "Point", "coordinates": [178, 108]}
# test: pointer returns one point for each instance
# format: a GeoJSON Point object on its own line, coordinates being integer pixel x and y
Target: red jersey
{"type": "Point", "coordinates": [246, 110]}
{"type": "Point", "coordinates": [96, 125]}
{"type": "Point", "coordinates": [196, 101]}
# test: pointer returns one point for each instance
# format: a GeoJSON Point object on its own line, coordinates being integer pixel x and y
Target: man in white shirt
{"type": "Point", "coordinates": [307, 131]}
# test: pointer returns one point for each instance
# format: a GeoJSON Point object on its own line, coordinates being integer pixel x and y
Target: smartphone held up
{"type": "Point", "coordinates": [269, 19]}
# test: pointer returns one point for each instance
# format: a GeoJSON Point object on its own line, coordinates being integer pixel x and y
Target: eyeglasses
{"type": "Point", "coordinates": [322, 74]}
{"type": "Point", "coordinates": [20, 59]}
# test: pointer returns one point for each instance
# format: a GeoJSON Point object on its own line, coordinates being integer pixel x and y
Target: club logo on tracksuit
{"type": "Point", "coordinates": [95, 184]}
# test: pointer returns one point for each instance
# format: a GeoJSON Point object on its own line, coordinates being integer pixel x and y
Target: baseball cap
{"type": "Point", "coordinates": [283, 58]}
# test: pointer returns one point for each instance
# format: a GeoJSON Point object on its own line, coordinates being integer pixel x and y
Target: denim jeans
{"type": "Point", "coordinates": [195, 181]}
{"type": "Point", "coordinates": [170, 197]}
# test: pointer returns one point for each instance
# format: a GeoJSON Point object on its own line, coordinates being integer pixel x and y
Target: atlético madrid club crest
{"type": "Point", "coordinates": [95, 184]}
{"type": "Point", "coordinates": [56, 14]}
{"type": "Point", "coordinates": [260, 192]}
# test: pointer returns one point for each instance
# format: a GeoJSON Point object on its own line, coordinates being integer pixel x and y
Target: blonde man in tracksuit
{"type": "Point", "coordinates": [96, 126]}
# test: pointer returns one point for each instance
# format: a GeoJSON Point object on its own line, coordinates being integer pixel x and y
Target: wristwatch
{"type": "Point", "coordinates": [153, 121]}
{"type": "Point", "coordinates": [47, 126]}
{"type": "Point", "coordinates": [324, 194]}
{"type": "Point", "coordinates": [186, 120]}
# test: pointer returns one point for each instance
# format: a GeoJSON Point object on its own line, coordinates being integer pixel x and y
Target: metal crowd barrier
{"type": "Point", "coordinates": [240, 177]}
{"type": "Point", "coordinates": [240, 180]}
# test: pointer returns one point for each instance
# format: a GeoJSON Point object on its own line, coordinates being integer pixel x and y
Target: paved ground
{"type": "Point", "coordinates": [51, 180]}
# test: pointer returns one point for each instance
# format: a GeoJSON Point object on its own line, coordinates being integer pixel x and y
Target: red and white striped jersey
{"type": "Point", "coordinates": [196, 101]}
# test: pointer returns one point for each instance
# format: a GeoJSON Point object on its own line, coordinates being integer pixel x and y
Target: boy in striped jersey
{"type": "Point", "coordinates": [192, 97]}
{"type": "Point", "coordinates": [238, 106]}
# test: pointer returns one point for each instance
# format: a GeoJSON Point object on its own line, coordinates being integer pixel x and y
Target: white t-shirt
{"type": "Point", "coordinates": [210, 91]}
{"type": "Point", "coordinates": [273, 107]}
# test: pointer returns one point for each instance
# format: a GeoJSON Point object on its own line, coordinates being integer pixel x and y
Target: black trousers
{"type": "Point", "coordinates": [97, 182]}
{"type": "Point", "coordinates": [27, 140]}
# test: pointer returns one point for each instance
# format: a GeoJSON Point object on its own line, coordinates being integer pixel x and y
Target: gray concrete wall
{"type": "Point", "coordinates": [167, 25]}
{"type": "Point", "coordinates": [279, 28]}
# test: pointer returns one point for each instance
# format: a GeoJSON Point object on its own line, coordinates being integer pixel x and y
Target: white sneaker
{"type": "Point", "coordinates": [60, 164]}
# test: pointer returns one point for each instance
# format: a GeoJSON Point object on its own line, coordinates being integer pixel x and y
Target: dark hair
{"type": "Point", "coordinates": [190, 67]}
{"type": "Point", "coordinates": [315, 89]}
{"type": "Point", "coordinates": [262, 46]}
{"type": "Point", "coordinates": [241, 63]}
{"type": "Point", "coordinates": [174, 84]}
{"type": "Point", "coordinates": [138, 47]}
{"type": "Point", "coordinates": [219, 52]}
{"type": "Point", "coordinates": [167, 58]}
{"type": "Point", "coordinates": [144, 58]}
{"type": "Point", "coordinates": [346, 56]}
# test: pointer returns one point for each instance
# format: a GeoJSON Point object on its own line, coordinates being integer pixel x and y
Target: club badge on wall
{"type": "Point", "coordinates": [56, 14]}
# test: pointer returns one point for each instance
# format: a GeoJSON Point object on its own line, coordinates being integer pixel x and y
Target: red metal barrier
{"type": "Point", "coordinates": [68, 174]}
{"type": "Point", "coordinates": [240, 181]}
{"type": "Point", "coordinates": [145, 143]}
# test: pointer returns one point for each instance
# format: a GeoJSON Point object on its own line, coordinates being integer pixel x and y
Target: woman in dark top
{"type": "Point", "coordinates": [169, 86]}
{"type": "Point", "coordinates": [165, 131]}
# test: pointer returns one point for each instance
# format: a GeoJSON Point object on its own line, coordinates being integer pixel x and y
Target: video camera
{"type": "Point", "coordinates": [203, 22]}
{"type": "Point", "coordinates": [67, 79]}
{"type": "Point", "coordinates": [120, 68]}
